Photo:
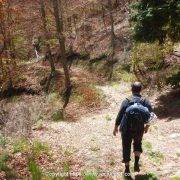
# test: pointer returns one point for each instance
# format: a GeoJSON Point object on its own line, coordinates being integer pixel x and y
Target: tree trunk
{"type": "Point", "coordinates": [61, 38]}
{"type": "Point", "coordinates": [112, 25]}
{"type": "Point", "coordinates": [103, 17]}
{"type": "Point", "coordinates": [46, 35]}
{"type": "Point", "coordinates": [110, 64]}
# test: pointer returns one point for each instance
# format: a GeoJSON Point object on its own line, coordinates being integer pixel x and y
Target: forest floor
{"type": "Point", "coordinates": [88, 144]}
{"type": "Point", "coordinates": [83, 145]}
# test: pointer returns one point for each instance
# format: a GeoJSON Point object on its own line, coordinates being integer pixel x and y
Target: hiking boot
{"type": "Point", "coordinates": [127, 172]}
{"type": "Point", "coordinates": [136, 168]}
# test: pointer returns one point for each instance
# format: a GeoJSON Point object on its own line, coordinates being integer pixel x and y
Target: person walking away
{"type": "Point", "coordinates": [133, 121]}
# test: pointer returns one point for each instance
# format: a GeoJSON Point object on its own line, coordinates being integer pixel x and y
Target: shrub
{"type": "Point", "coordinates": [148, 62]}
{"type": "Point", "coordinates": [89, 96]}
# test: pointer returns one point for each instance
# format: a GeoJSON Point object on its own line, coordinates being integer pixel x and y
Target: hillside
{"type": "Point", "coordinates": [65, 68]}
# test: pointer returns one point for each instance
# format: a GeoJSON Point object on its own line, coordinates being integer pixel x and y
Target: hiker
{"type": "Point", "coordinates": [133, 121]}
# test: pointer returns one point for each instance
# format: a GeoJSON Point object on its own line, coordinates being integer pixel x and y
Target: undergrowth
{"type": "Point", "coordinates": [156, 156]}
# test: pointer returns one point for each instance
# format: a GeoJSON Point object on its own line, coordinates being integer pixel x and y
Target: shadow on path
{"type": "Point", "coordinates": [149, 176]}
{"type": "Point", "coordinates": [168, 105]}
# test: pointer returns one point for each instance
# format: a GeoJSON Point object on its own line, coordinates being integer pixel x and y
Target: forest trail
{"type": "Point", "coordinates": [89, 145]}
{"type": "Point", "coordinates": [90, 140]}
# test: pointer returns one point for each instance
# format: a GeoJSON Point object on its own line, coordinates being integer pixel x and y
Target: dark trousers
{"type": "Point", "coordinates": [127, 138]}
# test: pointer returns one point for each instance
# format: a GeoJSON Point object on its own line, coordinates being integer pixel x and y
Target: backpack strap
{"type": "Point", "coordinates": [130, 99]}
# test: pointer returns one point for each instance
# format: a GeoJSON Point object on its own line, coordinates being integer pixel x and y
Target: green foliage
{"type": "Point", "coordinates": [20, 47]}
{"type": "Point", "coordinates": [39, 148]}
{"type": "Point", "coordinates": [155, 20]}
{"type": "Point", "coordinates": [123, 73]}
{"type": "Point", "coordinates": [2, 141]}
{"type": "Point", "coordinates": [178, 154]}
{"type": "Point", "coordinates": [174, 77]}
{"type": "Point", "coordinates": [123, 76]}
{"type": "Point", "coordinates": [34, 169]}
{"type": "Point", "coordinates": [175, 177]}
{"type": "Point", "coordinates": [52, 97]}
{"type": "Point", "coordinates": [21, 145]}
{"type": "Point", "coordinates": [38, 125]}
{"type": "Point", "coordinates": [58, 116]}
{"type": "Point", "coordinates": [108, 117]}
{"type": "Point", "coordinates": [155, 156]}
{"type": "Point", "coordinates": [3, 159]}
{"type": "Point", "coordinates": [66, 167]}
{"type": "Point", "coordinates": [53, 42]}
{"type": "Point", "coordinates": [148, 59]}
{"type": "Point", "coordinates": [95, 148]}
{"type": "Point", "coordinates": [9, 173]}
{"type": "Point", "coordinates": [150, 55]}
{"type": "Point", "coordinates": [90, 176]}
{"type": "Point", "coordinates": [147, 145]}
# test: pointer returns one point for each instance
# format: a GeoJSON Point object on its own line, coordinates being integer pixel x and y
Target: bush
{"type": "Point", "coordinates": [89, 96]}
{"type": "Point", "coordinates": [149, 64]}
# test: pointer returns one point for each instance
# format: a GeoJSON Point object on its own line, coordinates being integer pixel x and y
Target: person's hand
{"type": "Point", "coordinates": [146, 128]}
{"type": "Point", "coordinates": [115, 131]}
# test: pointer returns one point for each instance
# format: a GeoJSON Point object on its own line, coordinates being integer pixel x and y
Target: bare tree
{"type": "Point", "coordinates": [61, 38]}
{"type": "Point", "coordinates": [112, 23]}
{"type": "Point", "coordinates": [111, 61]}
{"type": "Point", "coordinates": [46, 35]}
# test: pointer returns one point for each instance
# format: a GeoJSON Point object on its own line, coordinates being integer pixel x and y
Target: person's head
{"type": "Point", "coordinates": [136, 87]}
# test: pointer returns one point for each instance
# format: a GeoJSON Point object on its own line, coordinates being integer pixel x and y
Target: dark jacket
{"type": "Point", "coordinates": [120, 120]}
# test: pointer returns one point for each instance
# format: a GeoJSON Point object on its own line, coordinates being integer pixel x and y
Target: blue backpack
{"type": "Point", "coordinates": [136, 114]}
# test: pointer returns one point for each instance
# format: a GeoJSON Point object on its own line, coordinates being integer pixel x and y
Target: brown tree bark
{"type": "Point", "coordinates": [61, 38]}
{"type": "Point", "coordinates": [112, 24]}
{"type": "Point", "coordinates": [111, 61]}
{"type": "Point", "coordinates": [46, 35]}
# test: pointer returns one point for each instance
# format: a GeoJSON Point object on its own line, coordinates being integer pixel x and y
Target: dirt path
{"type": "Point", "coordinates": [90, 145]}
